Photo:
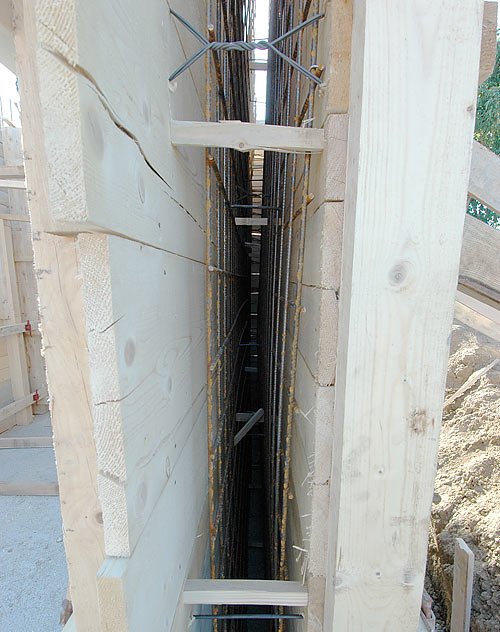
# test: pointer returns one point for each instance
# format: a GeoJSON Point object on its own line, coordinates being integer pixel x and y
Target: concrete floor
{"type": "Point", "coordinates": [33, 575]}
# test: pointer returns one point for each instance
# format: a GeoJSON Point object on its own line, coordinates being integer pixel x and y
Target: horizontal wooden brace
{"type": "Point", "coordinates": [12, 184]}
{"type": "Point", "coordinates": [9, 330]}
{"type": "Point", "coordinates": [25, 442]}
{"type": "Point", "coordinates": [247, 136]}
{"type": "Point", "coordinates": [478, 315]}
{"type": "Point", "coordinates": [244, 592]}
{"type": "Point", "coordinates": [14, 218]}
{"type": "Point", "coordinates": [18, 405]}
{"type": "Point", "coordinates": [250, 221]}
{"type": "Point", "coordinates": [479, 274]}
{"type": "Point", "coordinates": [11, 171]}
{"type": "Point", "coordinates": [484, 180]}
{"type": "Point", "coordinates": [258, 65]}
{"type": "Point", "coordinates": [28, 489]}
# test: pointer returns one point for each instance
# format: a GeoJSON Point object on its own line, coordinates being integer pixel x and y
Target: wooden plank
{"type": "Point", "coordinates": [16, 349]}
{"type": "Point", "coordinates": [130, 186]}
{"type": "Point", "coordinates": [28, 489]}
{"type": "Point", "coordinates": [121, 582]}
{"type": "Point", "coordinates": [484, 183]}
{"type": "Point", "coordinates": [18, 405]}
{"type": "Point", "coordinates": [248, 426]}
{"type": "Point", "coordinates": [247, 136]}
{"type": "Point", "coordinates": [147, 371]}
{"type": "Point", "coordinates": [250, 221]}
{"type": "Point", "coordinates": [12, 184]}
{"type": "Point", "coordinates": [244, 592]}
{"type": "Point", "coordinates": [395, 317]}
{"type": "Point", "coordinates": [489, 41]}
{"type": "Point", "coordinates": [8, 172]}
{"type": "Point", "coordinates": [25, 273]}
{"type": "Point", "coordinates": [14, 218]}
{"type": "Point", "coordinates": [196, 568]}
{"type": "Point", "coordinates": [9, 330]}
{"type": "Point", "coordinates": [25, 442]}
{"type": "Point", "coordinates": [463, 577]}
{"type": "Point", "coordinates": [64, 336]}
{"type": "Point", "coordinates": [478, 315]}
{"type": "Point", "coordinates": [480, 261]}
{"type": "Point", "coordinates": [7, 54]}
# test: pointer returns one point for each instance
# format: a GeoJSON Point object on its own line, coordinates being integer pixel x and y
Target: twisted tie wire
{"type": "Point", "coordinates": [245, 46]}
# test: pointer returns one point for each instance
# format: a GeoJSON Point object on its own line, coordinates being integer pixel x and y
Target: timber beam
{"type": "Point", "coordinates": [244, 592]}
{"type": "Point", "coordinates": [247, 136]}
{"type": "Point", "coordinates": [399, 272]}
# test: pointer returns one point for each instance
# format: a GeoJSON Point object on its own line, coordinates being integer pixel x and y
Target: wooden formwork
{"type": "Point", "coordinates": [23, 389]}
{"type": "Point", "coordinates": [118, 225]}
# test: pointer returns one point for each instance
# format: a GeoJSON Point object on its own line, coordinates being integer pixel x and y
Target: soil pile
{"type": "Point", "coordinates": [467, 498]}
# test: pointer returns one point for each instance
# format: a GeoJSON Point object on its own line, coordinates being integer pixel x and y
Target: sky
{"type": "Point", "coordinates": [261, 32]}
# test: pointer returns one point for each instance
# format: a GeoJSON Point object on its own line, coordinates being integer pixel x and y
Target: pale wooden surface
{"type": "Point", "coordinates": [16, 407]}
{"type": "Point", "coordinates": [28, 489]}
{"type": "Point", "coordinates": [103, 115]}
{"type": "Point", "coordinates": [463, 578]}
{"type": "Point", "coordinates": [10, 171]}
{"type": "Point", "coordinates": [250, 221]}
{"type": "Point", "coordinates": [25, 442]}
{"type": "Point", "coordinates": [14, 218]}
{"type": "Point", "coordinates": [198, 567]}
{"type": "Point", "coordinates": [23, 258]}
{"type": "Point", "coordinates": [147, 373]}
{"type": "Point", "coordinates": [395, 315]}
{"type": "Point", "coordinates": [247, 136]}
{"type": "Point", "coordinates": [13, 184]}
{"type": "Point", "coordinates": [16, 350]}
{"type": "Point", "coordinates": [484, 184]}
{"type": "Point", "coordinates": [8, 330]}
{"type": "Point", "coordinates": [489, 41]}
{"type": "Point", "coordinates": [123, 585]}
{"type": "Point", "coordinates": [480, 260]}
{"type": "Point", "coordinates": [244, 592]}
{"type": "Point", "coordinates": [478, 315]}
{"type": "Point", "coordinates": [64, 340]}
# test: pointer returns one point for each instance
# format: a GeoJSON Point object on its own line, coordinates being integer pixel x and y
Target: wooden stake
{"type": "Point", "coordinates": [463, 577]}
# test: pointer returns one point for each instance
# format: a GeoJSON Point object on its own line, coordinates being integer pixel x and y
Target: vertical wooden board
{"type": "Point", "coordinates": [15, 344]}
{"type": "Point", "coordinates": [25, 274]}
{"type": "Point", "coordinates": [115, 108]}
{"type": "Point", "coordinates": [147, 345]}
{"type": "Point", "coordinates": [463, 577]}
{"type": "Point", "coordinates": [399, 274]}
{"type": "Point", "coordinates": [65, 348]}
{"type": "Point", "coordinates": [335, 54]}
{"type": "Point", "coordinates": [328, 169]}
{"type": "Point", "coordinates": [318, 332]}
{"type": "Point", "coordinates": [313, 430]}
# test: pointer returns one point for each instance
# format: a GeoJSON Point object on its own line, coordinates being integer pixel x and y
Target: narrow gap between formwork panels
{"type": "Point", "coordinates": [253, 299]}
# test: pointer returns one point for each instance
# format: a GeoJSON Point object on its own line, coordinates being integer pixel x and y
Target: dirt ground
{"type": "Point", "coordinates": [467, 498]}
